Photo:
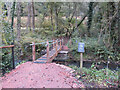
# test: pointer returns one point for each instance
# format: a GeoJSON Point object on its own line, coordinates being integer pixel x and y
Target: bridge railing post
{"type": "Point", "coordinates": [47, 50]}
{"type": "Point", "coordinates": [70, 42]}
{"type": "Point", "coordinates": [60, 44]}
{"type": "Point", "coordinates": [53, 43]}
{"type": "Point", "coordinates": [33, 51]}
{"type": "Point", "coordinates": [56, 46]}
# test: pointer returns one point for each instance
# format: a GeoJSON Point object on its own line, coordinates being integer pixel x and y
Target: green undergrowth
{"type": "Point", "coordinates": [97, 78]}
{"type": "Point", "coordinates": [93, 49]}
{"type": "Point", "coordinates": [24, 61]}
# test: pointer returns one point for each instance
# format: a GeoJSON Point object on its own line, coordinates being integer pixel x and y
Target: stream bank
{"type": "Point", "coordinates": [100, 64]}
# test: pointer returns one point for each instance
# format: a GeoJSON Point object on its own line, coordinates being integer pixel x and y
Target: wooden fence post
{"type": "Point", "coordinates": [47, 50]}
{"type": "Point", "coordinates": [13, 61]}
{"type": "Point", "coordinates": [81, 60]}
{"type": "Point", "coordinates": [33, 50]}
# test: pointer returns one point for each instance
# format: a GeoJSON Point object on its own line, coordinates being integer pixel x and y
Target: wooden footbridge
{"type": "Point", "coordinates": [53, 47]}
{"type": "Point", "coordinates": [56, 46]}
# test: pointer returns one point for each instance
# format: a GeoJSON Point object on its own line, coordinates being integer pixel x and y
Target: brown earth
{"type": "Point", "coordinates": [33, 75]}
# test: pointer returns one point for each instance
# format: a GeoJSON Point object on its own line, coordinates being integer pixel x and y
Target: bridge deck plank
{"type": "Point", "coordinates": [52, 55]}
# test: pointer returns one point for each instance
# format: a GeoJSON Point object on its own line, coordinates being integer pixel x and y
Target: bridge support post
{"type": "Point", "coordinates": [47, 51]}
{"type": "Point", "coordinates": [33, 50]}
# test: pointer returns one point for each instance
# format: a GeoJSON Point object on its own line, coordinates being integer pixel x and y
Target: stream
{"type": "Point", "coordinates": [64, 59]}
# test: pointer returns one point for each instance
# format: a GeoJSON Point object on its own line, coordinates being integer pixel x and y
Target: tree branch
{"type": "Point", "coordinates": [84, 17]}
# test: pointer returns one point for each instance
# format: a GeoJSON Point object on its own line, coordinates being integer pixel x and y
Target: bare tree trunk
{"type": "Point", "coordinates": [12, 20]}
{"type": "Point", "coordinates": [29, 17]}
{"type": "Point", "coordinates": [9, 10]}
{"type": "Point", "coordinates": [113, 24]}
{"type": "Point", "coordinates": [73, 14]}
{"type": "Point", "coordinates": [74, 11]}
{"type": "Point", "coordinates": [19, 27]}
{"type": "Point", "coordinates": [56, 18]}
{"type": "Point", "coordinates": [68, 13]}
{"type": "Point", "coordinates": [83, 18]}
{"type": "Point", "coordinates": [43, 18]}
{"type": "Point", "coordinates": [18, 20]}
{"type": "Point", "coordinates": [1, 31]}
{"type": "Point", "coordinates": [51, 12]}
{"type": "Point", "coordinates": [9, 5]}
{"type": "Point", "coordinates": [100, 24]}
{"type": "Point", "coordinates": [90, 17]}
{"type": "Point", "coordinates": [111, 28]}
{"type": "Point", "coordinates": [69, 10]}
{"type": "Point", "coordinates": [119, 23]}
{"type": "Point", "coordinates": [76, 18]}
{"type": "Point", "coordinates": [33, 17]}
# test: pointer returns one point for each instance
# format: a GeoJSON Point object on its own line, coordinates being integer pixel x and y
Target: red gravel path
{"type": "Point", "coordinates": [33, 75]}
